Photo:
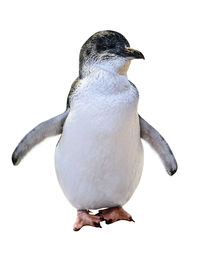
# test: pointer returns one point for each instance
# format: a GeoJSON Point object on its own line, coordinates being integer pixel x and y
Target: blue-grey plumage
{"type": "Point", "coordinates": [45, 129]}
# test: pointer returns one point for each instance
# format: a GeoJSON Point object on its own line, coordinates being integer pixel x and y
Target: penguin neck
{"type": "Point", "coordinates": [114, 67]}
{"type": "Point", "coordinates": [90, 70]}
{"type": "Point", "coordinates": [104, 81]}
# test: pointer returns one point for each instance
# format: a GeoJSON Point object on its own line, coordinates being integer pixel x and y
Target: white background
{"type": "Point", "coordinates": [40, 43]}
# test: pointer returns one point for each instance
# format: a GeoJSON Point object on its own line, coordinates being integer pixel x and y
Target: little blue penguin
{"type": "Point", "coordinates": [99, 156]}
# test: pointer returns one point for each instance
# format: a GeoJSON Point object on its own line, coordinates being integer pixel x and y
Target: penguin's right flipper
{"type": "Point", "coordinates": [47, 128]}
{"type": "Point", "coordinates": [158, 143]}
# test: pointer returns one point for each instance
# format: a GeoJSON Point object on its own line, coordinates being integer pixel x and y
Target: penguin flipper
{"type": "Point", "coordinates": [47, 128]}
{"type": "Point", "coordinates": [158, 143]}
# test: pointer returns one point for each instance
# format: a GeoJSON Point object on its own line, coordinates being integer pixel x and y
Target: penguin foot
{"type": "Point", "coordinates": [111, 215]}
{"type": "Point", "coordinates": [86, 219]}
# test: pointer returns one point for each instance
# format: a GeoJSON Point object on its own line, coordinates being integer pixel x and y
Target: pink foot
{"type": "Point", "coordinates": [111, 215]}
{"type": "Point", "coordinates": [86, 219]}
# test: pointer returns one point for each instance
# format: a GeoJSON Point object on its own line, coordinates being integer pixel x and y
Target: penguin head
{"type": "Point", "coordinates": [107, 50]}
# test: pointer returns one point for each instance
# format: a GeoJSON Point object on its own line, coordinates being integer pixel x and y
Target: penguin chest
{"type": "Point", "coordinates": [99, 156]}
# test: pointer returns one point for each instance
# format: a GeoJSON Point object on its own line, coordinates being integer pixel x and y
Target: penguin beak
{"type": "Point", "coordinates": [133, 54]}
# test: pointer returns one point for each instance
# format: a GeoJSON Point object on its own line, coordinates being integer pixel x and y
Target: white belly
{"type": "Point", "coordinates": [99, 157]}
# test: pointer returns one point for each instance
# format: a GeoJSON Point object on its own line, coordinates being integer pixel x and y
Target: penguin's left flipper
{"type": "Point", "coordinates": [46, 129]}
{"type": "Point", "coordinates": [158, 143]}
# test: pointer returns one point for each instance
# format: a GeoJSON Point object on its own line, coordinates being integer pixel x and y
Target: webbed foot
{"type": "Point", "coordinates": [111, 215]}
{"type": "Point", "coordinates": [86, 219]}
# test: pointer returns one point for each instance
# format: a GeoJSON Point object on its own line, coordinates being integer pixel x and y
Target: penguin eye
{"type": "Point", "coordinates": [103, 48]}
{"type": "Point", "coordinates": [112, 46]}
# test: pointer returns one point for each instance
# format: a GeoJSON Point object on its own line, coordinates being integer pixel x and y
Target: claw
{"type": "Point", "coordinates": [97, 225]}
{"type": "Point", "coordinates": [109, 221]}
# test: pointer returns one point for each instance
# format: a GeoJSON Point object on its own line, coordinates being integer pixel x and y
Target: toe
{"type": "Point", "coordinates": [76, 228]}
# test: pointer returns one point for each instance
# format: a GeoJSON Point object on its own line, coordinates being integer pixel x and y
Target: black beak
{"type": "Point", "coordinates": [132, 53]}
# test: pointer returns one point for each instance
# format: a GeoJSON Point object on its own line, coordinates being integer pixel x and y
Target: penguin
{"type": "Point", "coordinates": [99, 156]}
